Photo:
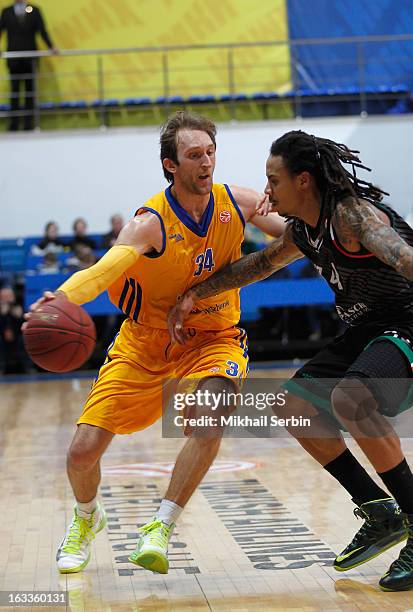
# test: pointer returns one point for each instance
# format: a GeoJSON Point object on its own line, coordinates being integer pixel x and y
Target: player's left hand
{"type": "Point", "coordinates": [177, 316]}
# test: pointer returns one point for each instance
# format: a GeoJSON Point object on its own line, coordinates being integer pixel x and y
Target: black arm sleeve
{"type": "Point", "coordinates": [42, 30]}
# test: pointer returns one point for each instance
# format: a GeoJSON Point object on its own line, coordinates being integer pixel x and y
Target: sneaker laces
{"type": "Point", "coordinates": [157, 533]}
{"type": "Point", "coordinates": [79, 531]}
{"type": "Point", "coordinates": [370, 527]}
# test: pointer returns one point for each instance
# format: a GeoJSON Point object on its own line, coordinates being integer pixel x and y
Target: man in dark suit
{"type": "Point", "coordinates": [22, 21]}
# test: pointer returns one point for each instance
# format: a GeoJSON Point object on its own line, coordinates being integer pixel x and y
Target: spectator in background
{"type": "Point", "coordinates": [50, 264]}
{"type": "Point", "coordinates": [108, 240]}
{"type": "Point", "coordinates": [80, 238]}
{"type": "Point", "coordinates": [11, 319]}
{"type": "Point", "coordinates": [254, 240]}
{"type": "Point", "coordinates": [51, 242]}
{"type": "Point", "coordinates": [83, 258]}
{"type": "Point", "coordinates": [22, 22]}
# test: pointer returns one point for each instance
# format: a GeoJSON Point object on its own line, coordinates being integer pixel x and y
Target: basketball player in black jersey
{"type": "Point", "coordinates": [364, 250]}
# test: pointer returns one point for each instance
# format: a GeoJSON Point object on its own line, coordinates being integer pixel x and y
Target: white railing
{"type": "Point", "coordinates": [168, 74]}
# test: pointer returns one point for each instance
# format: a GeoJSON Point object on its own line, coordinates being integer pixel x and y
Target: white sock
{"type": "Point", "coordinates": [87, 507]}
{"type": "Point", "coordinates": [168, 512]}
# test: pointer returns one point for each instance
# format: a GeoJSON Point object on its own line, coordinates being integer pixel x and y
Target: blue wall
{"type": "Point", "coordinates": [386, 64]}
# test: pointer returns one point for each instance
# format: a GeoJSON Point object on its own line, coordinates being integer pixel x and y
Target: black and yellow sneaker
{"type": "Point", "coordinates": [383, 527]}
{"type": "Point", "coordinates": [399, 577]}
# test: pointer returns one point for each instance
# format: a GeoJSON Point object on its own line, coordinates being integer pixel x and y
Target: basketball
{"type": "Point", "coordinates": [60, 336]}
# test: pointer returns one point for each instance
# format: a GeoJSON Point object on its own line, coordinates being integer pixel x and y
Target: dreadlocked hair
{"type": "Point", "coordinates": [324, 160]}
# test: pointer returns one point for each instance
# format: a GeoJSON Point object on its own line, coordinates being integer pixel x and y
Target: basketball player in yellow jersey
{"type": "Point", "coordinates": [178, 238]}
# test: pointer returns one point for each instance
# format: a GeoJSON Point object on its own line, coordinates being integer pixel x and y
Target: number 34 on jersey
{"type": "Point", "coordinates": [204, 261]}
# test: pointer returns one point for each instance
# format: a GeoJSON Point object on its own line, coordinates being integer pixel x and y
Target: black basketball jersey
{"type": "Point", "coordinates": [365, 288]}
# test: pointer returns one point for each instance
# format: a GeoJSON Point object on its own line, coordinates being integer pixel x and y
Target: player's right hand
{"type": "Point", "coordinates": [46, 297]}
{"type": "Point", "coordinates": [177, 316]}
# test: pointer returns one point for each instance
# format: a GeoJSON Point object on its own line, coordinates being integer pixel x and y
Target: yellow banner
{"type": "Point", "coordinates": [117, 24]}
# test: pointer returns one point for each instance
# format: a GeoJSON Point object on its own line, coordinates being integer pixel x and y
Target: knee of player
{"type": "Point", "coordinates": [216, 398]}
{"type": "Point", "coordinates": [81, 458]}
{"type": "Point", "coordinates": [352, 400]}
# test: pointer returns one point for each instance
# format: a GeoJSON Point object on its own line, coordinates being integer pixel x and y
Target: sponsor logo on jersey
{"type": "Point", "coordinates": [352, 313]}
{"type": "Point", "coordinates": [176, 237]}
{"type": "Point", "coordinates": [214, 370]}
{"type": "Point", "coordinates": [210, 309]}
{"type": "Point", "coordinates": [225, 216]}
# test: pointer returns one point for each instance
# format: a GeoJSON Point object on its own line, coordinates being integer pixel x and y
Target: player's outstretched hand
{"type": "Point", "coordinates": [177, 316]}
{"type": "Point", "coordinates": [263, 206]}
{"type": "Point", "coordinates": [46, 297]}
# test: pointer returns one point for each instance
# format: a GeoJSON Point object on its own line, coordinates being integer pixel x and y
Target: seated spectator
{"type": "Point", "coordinates": [108, 240]}
{"type": "Point", "coordinates": [404, 105]}
{"type": "Point", "coordinates": [50, 264]}
{"type": "Point", "coordinates": [51, 243]}
{"type": "Point", "coordinates": [80, 238]}
{"type": "Point", "coordinates": [254, 239]}
{"type": "Point", "coordinates": [11, 319]}
{"type": "Point", "coordinates": [83, 258]}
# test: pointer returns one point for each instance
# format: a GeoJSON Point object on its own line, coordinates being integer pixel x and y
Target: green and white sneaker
{"type": "Point", "coordinates": [152, 548]}
{"type": "Point", "coordinates": [73, 553]}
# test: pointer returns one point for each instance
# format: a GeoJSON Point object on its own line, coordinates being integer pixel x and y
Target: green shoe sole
{"type": "Point", "coordinates": [405, 588]}
{"type": "Point", "coordinates": [151, 561]}
{"type": "Point", "coordinates": [376, 554]}
{"type": "Point", "coordinates": [75, 570]}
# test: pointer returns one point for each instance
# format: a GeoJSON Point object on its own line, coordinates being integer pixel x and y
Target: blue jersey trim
{"type": "Point", "coordinates": [200, 229]}
{"type": "Point", "coordinates": [237, 208]}
{"type": "Point", "coordinates": [162, 251]}
{"type": "Point", "coordinates": [107, 358]}
{"type": "Point", "coordinates": [135, 298]}
{"type": "Point", "coordinates": [123, 294]}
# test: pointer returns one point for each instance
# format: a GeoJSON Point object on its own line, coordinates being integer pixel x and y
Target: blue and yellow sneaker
{"type": "Point", "coordinates": [399, 577]}
{"type": "Point", "coordinates": [74, 552]}
{"type": "Point", "coordinates": [152, 549]}
{"type": "Point", "coordinates": [383, 528]}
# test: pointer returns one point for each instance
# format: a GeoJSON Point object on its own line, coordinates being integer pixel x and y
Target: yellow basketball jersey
{"type": "Point", "coordinates": [190, 253]}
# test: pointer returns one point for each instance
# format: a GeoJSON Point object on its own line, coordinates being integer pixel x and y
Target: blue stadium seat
{"type": "Point", "coordinates": [169, 100]}
{"type": "Point", "coordinates": [265, 95]}
{"type": "Point", "coordinates": [201, 99]}
{"type": "Point", "coordinates": [48, 105]}
{"type": "Point", "coordinates": [111, 102]}
{"type": "Point", "coordinates": [75, 105]}
{"type": "Point", "coordinates": [137, 101]}
{"type": "Point", "coordinates": [235, 97]}
{"type": "Point", "coordinates": [35, 285]}
{"type": "Point", "coordinates": [281, 293]}
{"type": "Point", "coordinates": [13, 255]}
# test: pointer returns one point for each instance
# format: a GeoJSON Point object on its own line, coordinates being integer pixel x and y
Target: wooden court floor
{"type": "Point", "coordinates": [259, 534]}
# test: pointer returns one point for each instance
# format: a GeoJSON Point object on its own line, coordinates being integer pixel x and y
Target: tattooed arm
{"type": "Point", "coordinates": [361, 223]}
{"type": "Point", "coordinates": [249, 269]}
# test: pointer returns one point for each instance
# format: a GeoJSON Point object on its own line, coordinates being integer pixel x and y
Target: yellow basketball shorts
{"type": "Point", "coordinates": [142, 366]}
